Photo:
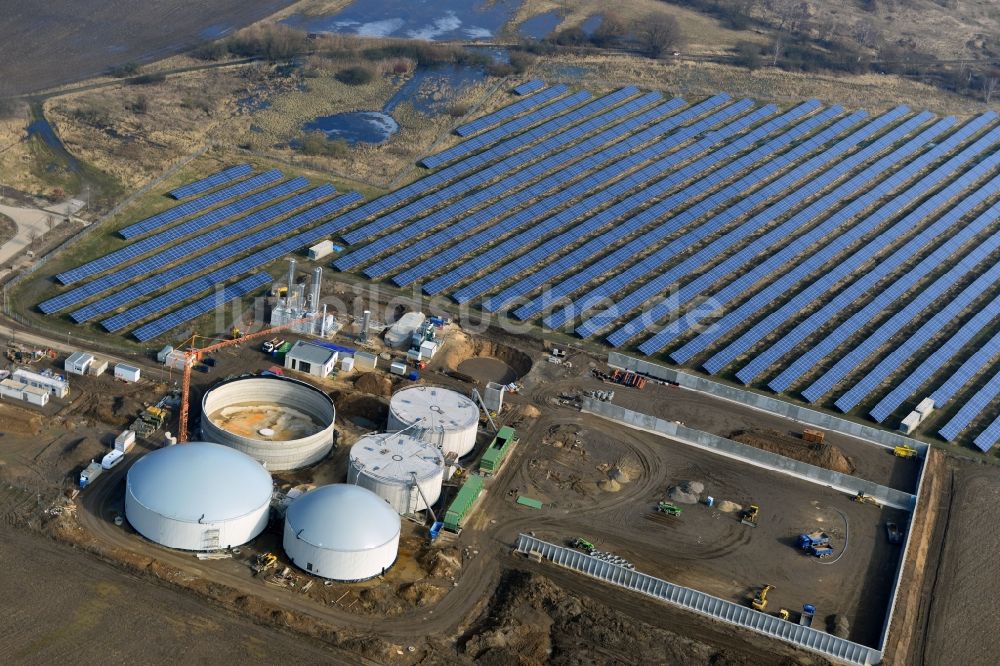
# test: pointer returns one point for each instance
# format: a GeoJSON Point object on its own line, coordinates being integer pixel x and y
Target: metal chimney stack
{"type": "Point", "coordinates": [365, 320]}
{"type": "Point", "coordinates": [317, 281]}
{"type": "Point", "coordinates": [291, 281]}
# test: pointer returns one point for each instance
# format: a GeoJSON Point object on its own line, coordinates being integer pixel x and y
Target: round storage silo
{"type": "Point", "coordinates": [404, 471]}
{"type": "Point", "coordinates": [341, 532]}
{"type": "Point", "coordinates": [443, 417]}
{"type": "Point", "coordinates": [198, 496]}
{"type": "Point", "coordinates": [281, 422]}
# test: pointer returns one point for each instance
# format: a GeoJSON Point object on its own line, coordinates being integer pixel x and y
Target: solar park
{"type": "Point", "coordinates": [844, 258]}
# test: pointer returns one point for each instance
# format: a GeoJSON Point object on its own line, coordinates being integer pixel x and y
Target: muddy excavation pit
{"type": "Point", "coordinates": [367, 412]}
{"type": "Point", "coordinates": [485, 361]}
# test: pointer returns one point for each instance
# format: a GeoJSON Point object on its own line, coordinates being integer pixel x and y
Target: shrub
{"type": "Point", "coordinates": [659, 34]}
{"type": "Point", "coordinates": [610, 32]}
{"type": "Point", "coordinates": [317, 144]}
{"type": "Point", "coordinates": [499, 69]}
{"type": "Point", "coordinates": [211, 51]}
{"type": "Point", "coordinates": [355, 76]}
{"type": "Point", "coordinates": [570, 37]}
{"type": "Point", "coordinates": [521, 62]}
{"type": "Point", "coordinates": [748, 55]}
{"type": "Point", "coordinates": [124, 70]}
{"type": "Point", "coordinates": [149, 79]}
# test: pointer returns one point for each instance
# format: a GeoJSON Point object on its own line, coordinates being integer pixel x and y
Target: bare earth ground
{"type": "Point", "coordinates": [106, 615]}
{"type": "Point", "coordinates": [42, 38]}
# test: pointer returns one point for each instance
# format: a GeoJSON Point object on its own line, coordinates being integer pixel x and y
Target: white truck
{"type": "Point", "coordinates": [112, 459]}
{"type": "Point", "coordinates": [125, 441]}
{"type": "Point", "coordinates": [88, 475]}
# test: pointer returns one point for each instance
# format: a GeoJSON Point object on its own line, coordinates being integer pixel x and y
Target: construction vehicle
{"type": "Point", "coordinates": [749, 515]}
{"type": "Point", "coordinates": [783, 613]}
{"type": "Point", "coordinates": [816, 538]}
{"type": "Point", "coordinates": [263, 562]}
{"type": "Point", "coordinates": [894, 534]}
{"type": "Point", "coordinates": [807, 614]}
{"type": "Point", "coordinates": [192, 355]}
{"type": "Point", "coordinates": [760, 600]}
{"type": "Point", "coordinates": [583, 545]}
{"type": "Point", "coordinates": [271, 345]}
{"type": "Point", "coordinates": [862, 498]}
{"type": "Point", "coordinates": [813, 436]}
{"type": "Point", "coordinates": [668, 508]}
{"type": "Point", "coordinates": [904, 451]}
{"type": "Point", "coordinates": [235, 333]}
{"type": "Point", "coordinates": [820, 551]}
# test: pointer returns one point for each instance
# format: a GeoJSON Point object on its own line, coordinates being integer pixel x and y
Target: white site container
{"type": "Point", "coordinates": [57, 386]}
{"type": "Point", "coordinates": [125, 441]}
{"type": "Point", "coordinates": [112, 458]}
{"type": "Point", "coordinates": [427, 350]}
{"type": "Point", "coordinates": [128, 373]}
{"type": "Point", "coordinates": [347, 363]}
{"type": "Point", "coordinates": [78, 363]}
{"type": "Point", "coordinates": [161, 356]}
{"type": "Point", "coordinates": [98, 367]}
{"type": "Point", "coordinates": [365, 361]}
{"type": "Point", "coordinates": [398, 368]}
{"type": "Point", "coordinates": [925, 407]}
{"type": "Point", "coordinates": [910, 423]}
{"type": "Point", "coordinates": [320, 250]}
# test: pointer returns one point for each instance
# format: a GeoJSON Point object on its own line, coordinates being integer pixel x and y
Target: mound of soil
{"type": "Point", "coordinates": [725, 506]}
{"type": "Point", "coordinates": [686, 492]}
{"type": "Point", "coordinates": [610, 486]}
{"type": "Point", "coordinates": [17, 421]}
{"type": "Point", "coordinates": [530, 620]}
{"type": "Point", "coordinates": [374, 383]}
{"type": "Point", "coordinates": [825, 455]}
{"type": "Point", "coordinates": [441, 562]}
{"type": "Point", "coordinates": [422, 593]}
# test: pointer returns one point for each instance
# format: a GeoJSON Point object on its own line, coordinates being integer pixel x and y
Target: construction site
{"type": "Point", "coordinates": [548, 378]}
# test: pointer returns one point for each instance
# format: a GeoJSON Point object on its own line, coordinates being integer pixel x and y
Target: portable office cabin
{"type": "Point", "coordinates": [163, 354]}
{"type": "Point", "coordinates": [57, 386]}
{"type": "Point", "coordinates": [320, 250]}
{"type": "Point", "coordinates": [127, 373]}
{"type": "Point", "coordinates": [311, 359]}
{"type": "Point", "coordinates": [78, 363]}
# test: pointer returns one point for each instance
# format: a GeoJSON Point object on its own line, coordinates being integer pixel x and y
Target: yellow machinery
{"type": "Point", "coordinates": [749, 515]}
{"type": "Point", "coordinates": [904, 452]}
{"type": "Point", "coordinates": [264, 562]}
{"type": "Point", "coordinates": [760, 601]}
{"type": "Point", "coordinates": [784, 614]}
{"type": "Point", "coordinates": [235, 333]}
{"type": "Point", "coordinates": [861, 498]}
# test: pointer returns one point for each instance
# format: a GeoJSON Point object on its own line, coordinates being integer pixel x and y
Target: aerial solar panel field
{"type": "Point", "coordinates": [844, 258]}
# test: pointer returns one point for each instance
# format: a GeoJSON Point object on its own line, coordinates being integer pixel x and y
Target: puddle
{"type": "Point", "coordinates": [43, 130]}
{"type": "Point", "coordinates": [540, 25]}
{"type": "Point", "coordinates": [413, 19]}
{"type": "Point", "coordinates": [355, 126]}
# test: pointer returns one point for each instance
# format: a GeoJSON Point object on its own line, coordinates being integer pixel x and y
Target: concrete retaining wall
{"type": "Point", "coordinates": [839, 649]}
{"type": "Point", "coordinates": [766, 403]}
{"type": "Point", "coordinates": [749, 454]}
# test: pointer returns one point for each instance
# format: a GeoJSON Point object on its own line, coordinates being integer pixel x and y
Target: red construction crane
{"type": "Point", "coordinates": [192, 356]}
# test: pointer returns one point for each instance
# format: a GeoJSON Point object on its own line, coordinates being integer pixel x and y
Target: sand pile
{"type": "Point", "coordinates": [826, 456]}
{"type": "Point", "coordinates": [726, 506]}
{"type": "Point", "coordinates": [610, 486]}
{"type": "Point", "coordinates": [686, 492]}
{"type": "Point", "coordinates": [374, 384]}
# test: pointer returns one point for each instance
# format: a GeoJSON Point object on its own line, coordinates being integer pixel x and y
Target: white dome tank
{"type": "Point", "coordinates": [386, 465]}
{"type": "Point", "coordinates": [341, 532]}
{"type": "Point", "coordinates": [443, 417]}
{"type": "Point", "coordinates": [198, 496]}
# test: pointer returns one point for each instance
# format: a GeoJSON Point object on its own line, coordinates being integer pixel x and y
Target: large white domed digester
{"type": "Point", "coordinates": [443, 417]}
{"type": "Point", "coordinates": [404, 471]}
{"type": "Point", "coordinates": [342, 532]}
{"type": "Point", "coordinates": [198, 496]}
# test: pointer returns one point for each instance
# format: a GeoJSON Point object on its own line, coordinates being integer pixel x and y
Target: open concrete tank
{"type": "Point", "coordinates": [282, 422]}
{"type": "Point", "coordinates": [341, 532]}
{"type": "Point", "coordinates": [404, 471]}
{"type": "Point", "coordinates": [437, 415]}
{"type": "Point", "coordinates": [198, 496]}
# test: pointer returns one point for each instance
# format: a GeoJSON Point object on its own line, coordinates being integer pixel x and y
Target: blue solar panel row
{"type": "Point", "coordinates": [199, 204]}
{"type": "Point", "coordinates": [249, 263]}
{"type": "Point", "coordinates": [207, 183]}
{"type": "Point", "coordinates": [529, 87]}
{"type": "Point", "coordinates": [895, 359]}
{"type": "Point", "coordinates": [118, 257]}
{"type": "Point", "coordinates": [849, 296]}
{"type": "Point", "coordinates": [619, 128]}
{"type": "Point", "coordinates": [859, 183]}
{"type": "Point", "coordinates": [971, 367]}
{"type": "Point", "coordinates": [513, 127]}
{"type": "Point", "coordinates": [475, 243]}
{"type": "Point", "coordinates": [509, 111]}
{"type": "Point", "coordinates": [201, 306]}
{"type": "Point", "coordinates": [930, 366]}
{"type": "Point", "coordinates": [989, 437]}
{"type": "Point", "coordinates": [625, 187]}
{"type": "Point", "coordinates": [920, 302]}
{"type": "Point", "coordinates": [637, 200]}
{"type": "Point", "coordinates": [493, 215]}
{"type": "Point", "coordinates": [474, 162]}
{"type": "Point", "coordinates": [844, 267]}
{"type": "Point", "coordinates": [213, 257]}
{"type": "Point", "coordinates": [504, 168]}
{"type": "Point", "coordinates": [188, 248]}
{"type": "Point", "coordinates": [972, 408]}
{"type": "Point", "coordinates": [886, 296]}
{"type": "Point", "coordinates": [791, 197]}
{"type": "Point", "coordinates": [620, 264]}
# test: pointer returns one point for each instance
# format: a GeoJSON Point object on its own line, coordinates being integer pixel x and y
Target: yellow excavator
{"type": "Point", "coordinates": [749, 515]}
{"type": "Point", "coordinates": [760, 601]}
{"type": "Point", "coordinates": [862, 498]}
{"type": "Point", "coordinates": [264, 562]}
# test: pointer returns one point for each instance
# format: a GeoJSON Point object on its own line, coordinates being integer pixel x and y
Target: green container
{"type": "Point", "coordinates": [463, 501]}
{"type": "Point", "coordinates": [497, 451]}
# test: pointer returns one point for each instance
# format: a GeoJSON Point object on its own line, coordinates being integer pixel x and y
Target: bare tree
{"type": "Point", "coordinates": [990, 85]}
{"type": "Point", "coordinates": [659, 34]}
